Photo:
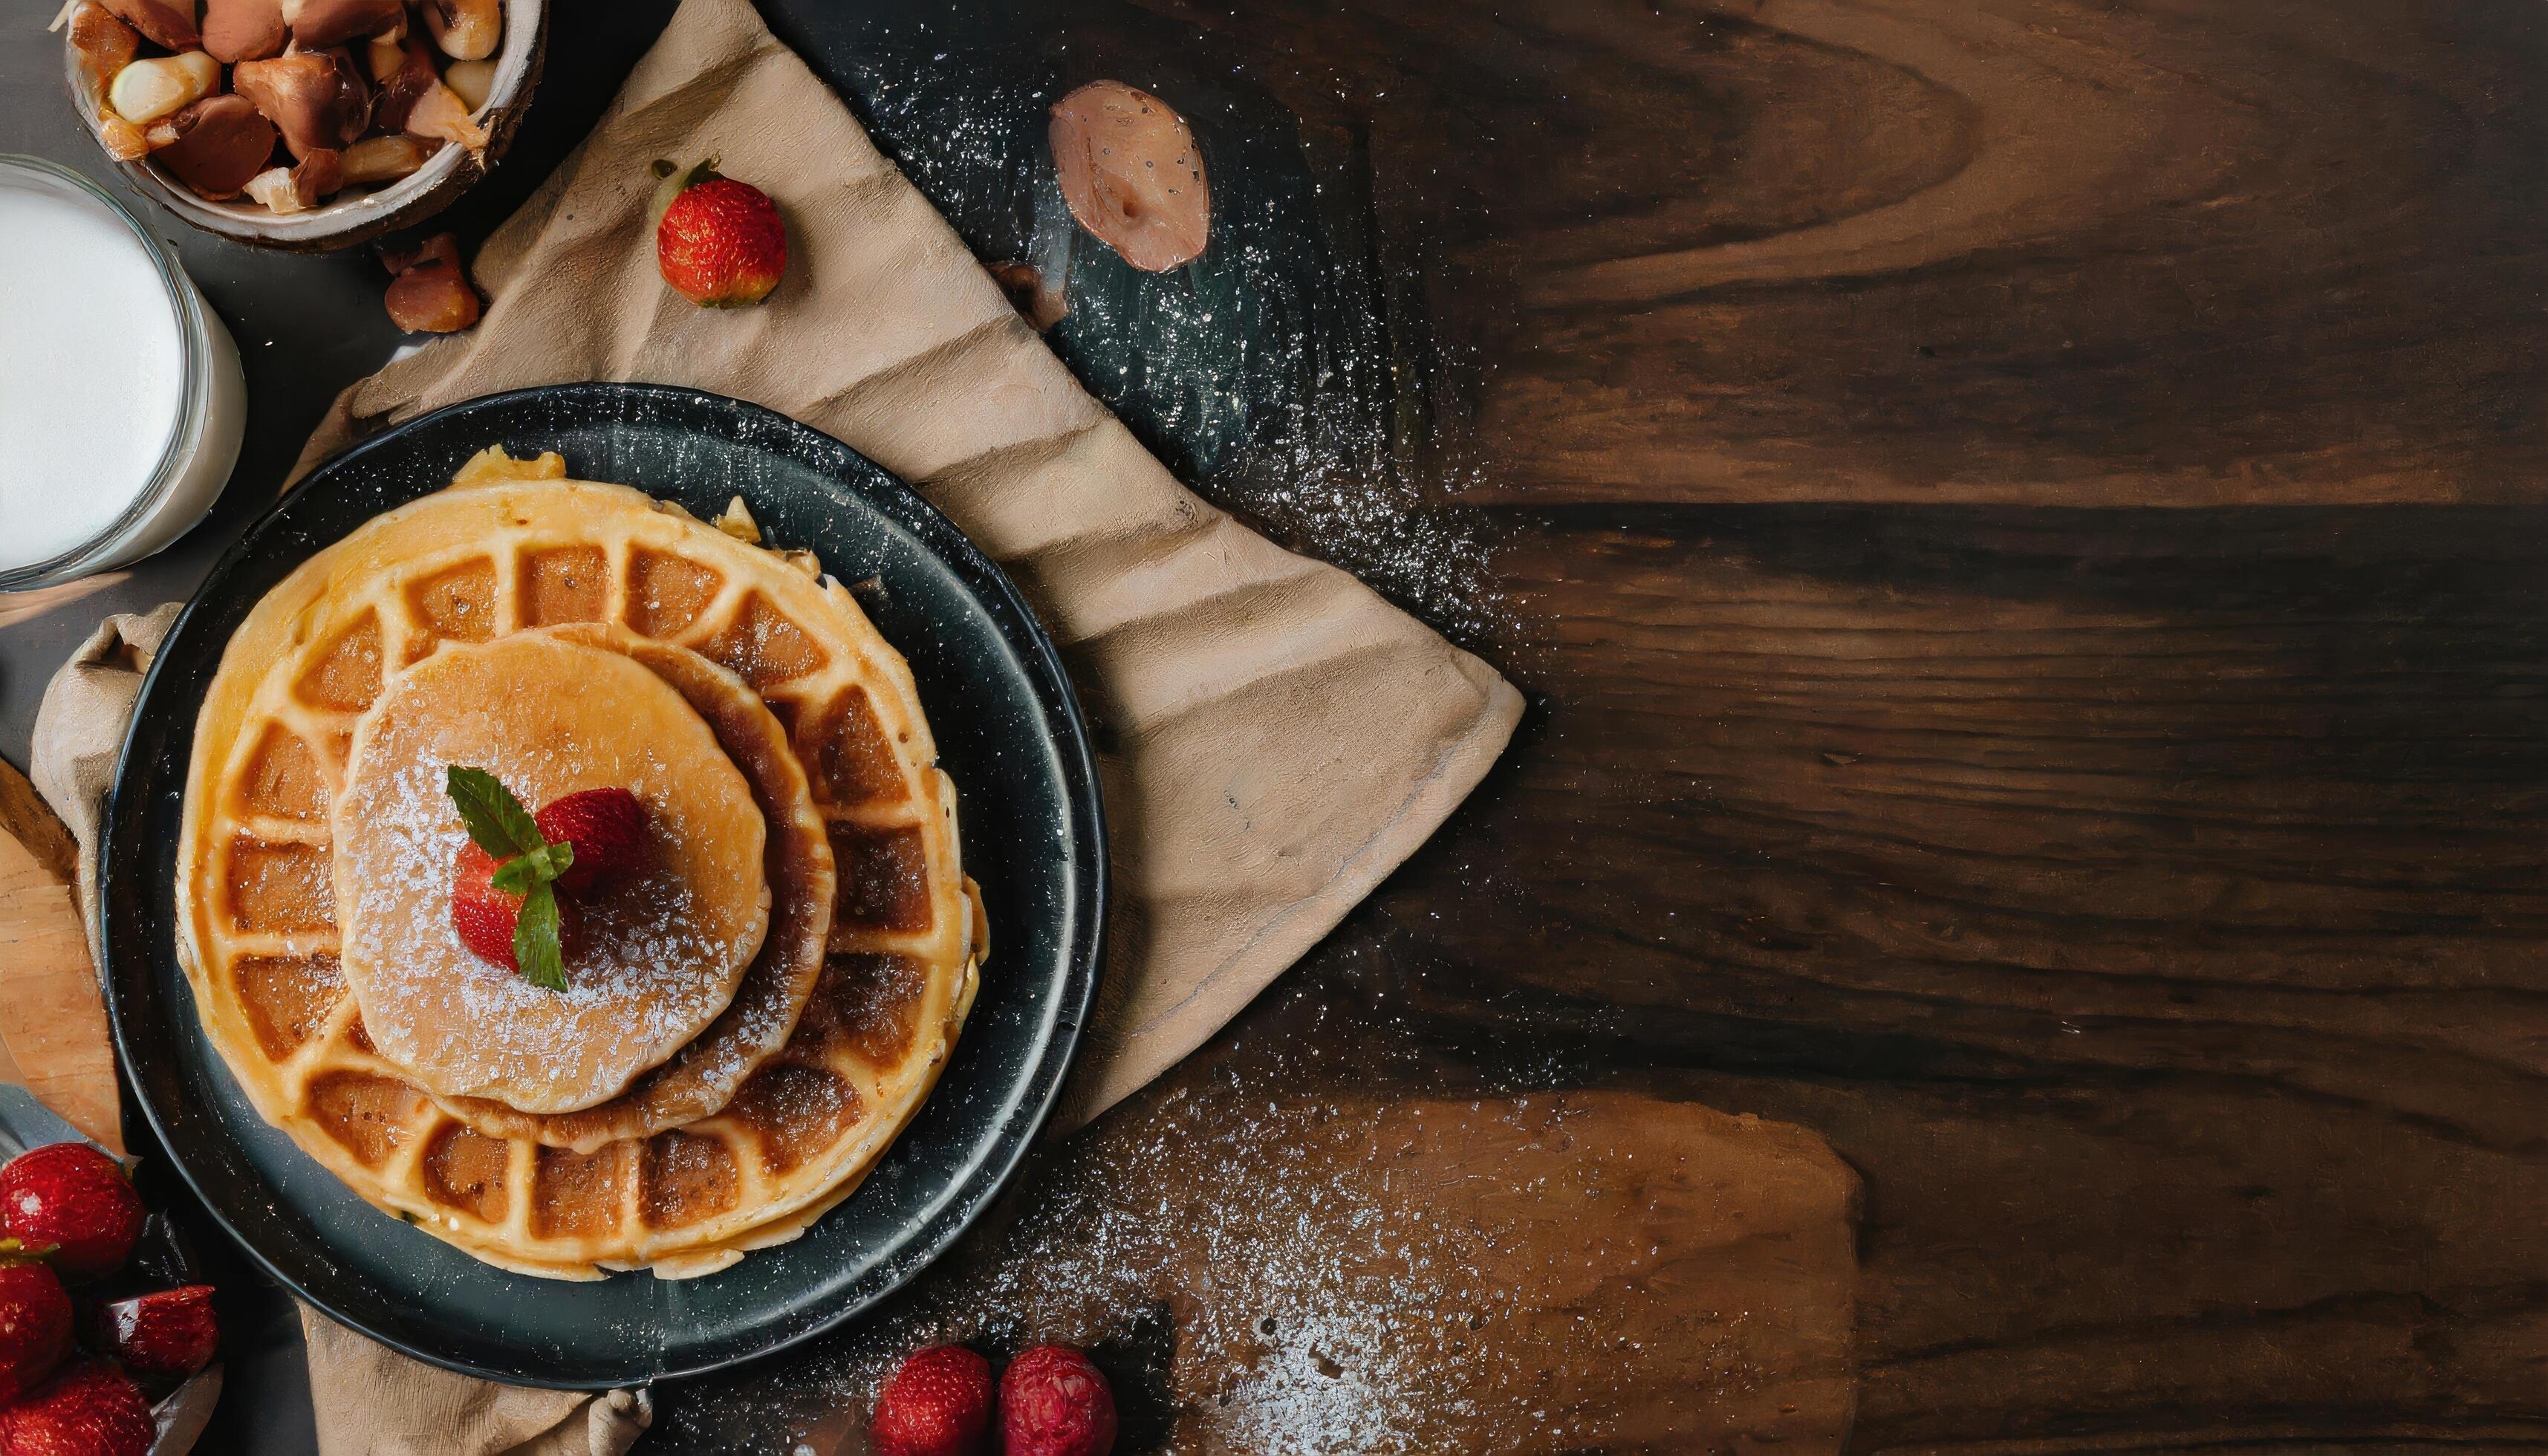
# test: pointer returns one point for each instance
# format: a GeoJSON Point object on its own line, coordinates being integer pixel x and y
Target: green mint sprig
{"type": "Point", "coordinates": [525, 866]}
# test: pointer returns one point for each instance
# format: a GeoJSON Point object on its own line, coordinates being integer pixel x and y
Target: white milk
{"type": "Point", "coordinates": [96, 350]}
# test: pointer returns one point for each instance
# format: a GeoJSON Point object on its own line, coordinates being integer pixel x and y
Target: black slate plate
{"type": "Point", "coordinates": [1009, 732]}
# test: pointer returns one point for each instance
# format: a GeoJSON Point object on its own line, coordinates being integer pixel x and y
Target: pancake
{"type": "Point", "coordinates": [702, 1077]}
{"type": "Point", "coordinates": [257, 917]}
{"type": "Point", "coordinates": [657, 958]}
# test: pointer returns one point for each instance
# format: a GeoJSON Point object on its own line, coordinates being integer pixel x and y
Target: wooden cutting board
{"type": "Point", "coordinates": [52, 1025]}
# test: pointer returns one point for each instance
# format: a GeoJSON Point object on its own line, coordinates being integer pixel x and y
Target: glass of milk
{"type": "Point", "coordinates": [121, 401]}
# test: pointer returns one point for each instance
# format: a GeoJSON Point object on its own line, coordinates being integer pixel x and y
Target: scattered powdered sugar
{"type": "Point", "coordinates": [1289, 1277]}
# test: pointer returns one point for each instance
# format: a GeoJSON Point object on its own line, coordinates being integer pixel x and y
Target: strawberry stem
{"type": "Point", "coordinates": [19, 1252]}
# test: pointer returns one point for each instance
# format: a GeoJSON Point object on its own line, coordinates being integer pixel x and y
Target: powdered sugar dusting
{"type": "Point", "coordinates": [1299, 1277]}
{"type": "Point", "coordinates": [660, 954]}
{"type": "Point", "coordinates": [643, 968]}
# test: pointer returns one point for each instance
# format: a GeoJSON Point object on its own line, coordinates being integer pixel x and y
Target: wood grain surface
{"type": "Point", "coordinates": [52, 1025]}
{"type": "Point", "coordinates": [1591, 1271]}
{"type": "Point", "coordinates": [2148, 905]}
{"type": "Point", "coordinates": [2027, 251]}
{"type": "Point", "coordinates": [2022, 521]}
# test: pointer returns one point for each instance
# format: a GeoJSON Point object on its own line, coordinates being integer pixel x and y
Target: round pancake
{"type": "Point", "coordinates": [257, 932]}
{"type": "Point", "coordinates": [657, 956]}
{"type": "Point", "coordinates": [702, 1078]}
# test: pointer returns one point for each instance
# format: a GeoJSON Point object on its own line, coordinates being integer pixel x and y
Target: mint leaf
{"type": "Point", "coordinates": [516, 876]}
{"type": "Point", "coordinates": [535, 940]}
{"type": "Point", "coordinates": [493, 816]}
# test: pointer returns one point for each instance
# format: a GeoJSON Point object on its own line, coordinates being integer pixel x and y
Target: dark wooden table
{"type": "Point", "coordinates": [2023, 525]}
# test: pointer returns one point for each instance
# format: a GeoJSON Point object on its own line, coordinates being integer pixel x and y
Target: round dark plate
{"type": "Point", "coordinates": [1009, 732]}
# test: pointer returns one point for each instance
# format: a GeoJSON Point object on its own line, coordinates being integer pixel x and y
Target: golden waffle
{"type": "Point", "coordinates": [257, 923]}
{"type": "Point", "coordinates": [657, 958]}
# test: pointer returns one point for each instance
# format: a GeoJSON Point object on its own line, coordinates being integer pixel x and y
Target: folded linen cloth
{"type": "Point", "coordinates": [1280, 737]}
{"type": "Point", "coordinates": [1283, 737]}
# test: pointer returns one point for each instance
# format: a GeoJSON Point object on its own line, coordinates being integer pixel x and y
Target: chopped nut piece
{"type": "Point", "coordinates": [313, 97]}
{"type": "Point", "coordinates": [146, 90]}
{"type": "Point", "coordinates": [273, 187]}
{"type": "Point", "coordinates": [804, 561]}
{"type": "Point", "coordinates": [321, 175]}
{"type": "Point", "coordinates": [432, 298]}
{"type": "Point", "coordinates": [125, 142]}
{"type": "Point", "coordinates": [243, 30]}
{"type": "Point", "coordinates": [431, 294]}
{"type": "Point", "coordinates": [474, 80]}
{"type": "Point", "coordinates": [441, 247]}
{"type": "Point", "coordinates": [738, 522]}
{"type": "Point", "coordinates": [324, 22]}
{"type": "Point", "coordinates": [1024, 283]}
{"type": "Point", "coordinates": [218, 145]}
{"type": "Point", "coordinates": [376, 159]}
{"type": "Point", "coordinates": [404, 73]}
{"type": "Point", "coordinates": [493, 464]}
{"type": "Point", "coordinates": [165, 23]}
{"type": "Point", "coordinates": [441, 115]}
{"type": "Point", "coordinates": [105, 44]}
{"type": "Point", "coordinates": [466, 30]}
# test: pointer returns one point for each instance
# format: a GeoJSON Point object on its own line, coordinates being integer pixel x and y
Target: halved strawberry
{"type": "Point", "coordinates": [606, 826]}
{"type": "Point", "coordinates": [168, 1331]}
{"type": "Point", "coordinates": [484, 916]}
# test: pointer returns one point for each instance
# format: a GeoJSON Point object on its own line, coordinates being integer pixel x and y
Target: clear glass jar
{"type": "Point", "coordinates": [86, 377]}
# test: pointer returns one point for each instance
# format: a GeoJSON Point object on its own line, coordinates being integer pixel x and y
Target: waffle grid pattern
{"type": "Point", "coordinates": [544, 1195]}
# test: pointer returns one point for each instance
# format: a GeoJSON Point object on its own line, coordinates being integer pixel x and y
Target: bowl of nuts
{"type": "Point", "coordinates": [304, 123]}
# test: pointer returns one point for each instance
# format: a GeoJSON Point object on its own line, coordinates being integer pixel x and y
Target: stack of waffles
{"type": "Point", "coordinates": [751, 1014]}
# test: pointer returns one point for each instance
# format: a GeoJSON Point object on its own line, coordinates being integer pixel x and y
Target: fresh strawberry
{"type": "Point", "coordinates": [1054, 1402]}
{"type": "Point", "coordinates": [35, 1326]}
{"type": "Point", "coordinates": [720, 242]}
{"type": "Point", "coordinates": [168, 1331]}
{"type": "Point", "coordinates": [484, 916]}
{"type": "Point", "coordinates": [606, 826]}
{"type": "Point", "coordinates": [75, 1198]}
{"type": "Point", "coordinates": [86, 1411]}
{"type": "Point", "coordinates": [939, 1403]}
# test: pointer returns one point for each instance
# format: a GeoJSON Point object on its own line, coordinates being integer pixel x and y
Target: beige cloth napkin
{"type": "Point", "coordinates": [370, 1399]}
{"type": "Point", "coordinates": [79, 733]}
{"type": "Point", "coordinates": [1284, 737]}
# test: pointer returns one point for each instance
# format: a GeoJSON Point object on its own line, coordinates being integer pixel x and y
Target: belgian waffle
{"type": "Point", "coordinates": [678, 1189]}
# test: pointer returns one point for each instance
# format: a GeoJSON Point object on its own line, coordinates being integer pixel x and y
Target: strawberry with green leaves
{"type": "Point", "coordinates": [514, 882]}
